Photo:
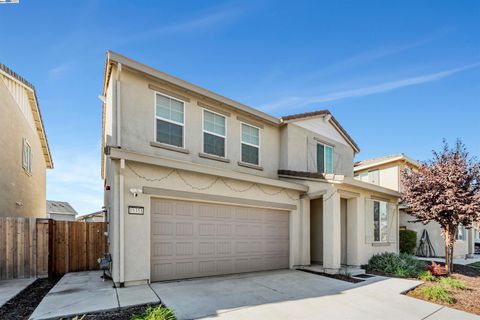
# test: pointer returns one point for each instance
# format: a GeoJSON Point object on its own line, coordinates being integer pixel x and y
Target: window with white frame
{"type": "Point", "coordinates": [214, 133]}
{"type": "Point", "coordinates": [461, 233]}
{"type": "Point", "coordinates": [374, 176]}
{"type": "Point", "coordinates": [170, 120]}
{"type": "Point", "coordinates": [250, 144]}
{"type": "Point", "coordinates": [27, 156]}
{"type": "Point", "coordinates": [380, 221]}
{"type": "Point", "coordinates": [324, 158]}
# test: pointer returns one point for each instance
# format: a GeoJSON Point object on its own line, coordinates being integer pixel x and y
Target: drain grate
{"type": "Point", "coordinates": [364, 276]}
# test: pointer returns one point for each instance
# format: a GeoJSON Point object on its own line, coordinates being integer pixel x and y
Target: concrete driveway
{"type": "Point", "coordinates": [297, 295]}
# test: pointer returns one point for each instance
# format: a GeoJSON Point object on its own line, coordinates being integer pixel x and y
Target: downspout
{"type": "Point", "coordinates": [118, 105]}
{"type": "Point", "coordinates": [122, 223]}
{"type": "Point", "coordinates": [121, 210]}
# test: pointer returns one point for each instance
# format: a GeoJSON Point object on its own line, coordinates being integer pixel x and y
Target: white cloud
{"type": "Point", "coordinates": [59, 71]}
{"type": "Point", "coordinates": [298, 102]}
{"type": "Point", "coordinates": [212, 19]}
{"type": "Point", "coordinates": [76, 179]}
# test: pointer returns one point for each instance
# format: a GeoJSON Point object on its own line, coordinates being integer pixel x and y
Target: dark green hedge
{"type": "Point", "coordinates": [408, 241]}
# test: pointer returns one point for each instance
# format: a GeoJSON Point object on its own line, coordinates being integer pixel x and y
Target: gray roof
{"type": "Point", "coordinates": [385, 159]}
{"type": "Point", "coordinates": [60, 207]}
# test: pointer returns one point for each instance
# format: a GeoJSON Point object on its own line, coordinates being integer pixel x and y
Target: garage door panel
{"type": "Point", "coordinates": [192, 239]}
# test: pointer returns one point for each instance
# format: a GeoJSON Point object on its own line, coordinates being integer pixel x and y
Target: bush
{"type": "Point", "coordinates": [408, 241]}
{"type": "Point", "coordinates": [426, 276]}
{"type": "Point", "coordinates": [436, 269]}
{"type": "Point", "coordinates": [156, 313]}
{"type": "Point", "coordinates": [436, 293]}
{"type": "Point", "coordinates": [402, 265]}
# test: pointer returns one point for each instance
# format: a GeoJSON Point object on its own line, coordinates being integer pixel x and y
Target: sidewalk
{"type": "Point", "coordinates": [86, 292]}
{"type": "Point", "coordinates": [10, 288]}
{"type": "Point", "coordinates": [461, 261]}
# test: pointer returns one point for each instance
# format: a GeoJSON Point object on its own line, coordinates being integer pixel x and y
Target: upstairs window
{"type": "Point", "coordinates": [250, 144]}
{"type": "Point", "coordinates": [214, 133]}
{"type": "Point", "coordinates": [374, 177]}
{"type": "Point", "coordinates": [324, 158]}
{"type": "Point", "coordinates": [170, 120]}
{"type": "Point", "coordinates": [27, 156]}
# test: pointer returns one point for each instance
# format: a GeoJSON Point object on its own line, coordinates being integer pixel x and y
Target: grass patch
{"type": "Point", "coordinates": [426, 276]}
{"type": "Point", "coordinates": [156, 313]}
{"type": "Point", "coordinates": [452, 283]}
{"type": "Point", "coordinates": [475, 264]}
{"type": "Point", "coordinates": [436, 293]}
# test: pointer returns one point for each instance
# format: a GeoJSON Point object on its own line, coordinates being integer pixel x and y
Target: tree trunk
{"type": "Point", "coordinates": [446, 232]}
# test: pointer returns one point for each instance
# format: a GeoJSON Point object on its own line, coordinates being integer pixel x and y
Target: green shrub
{"type": "Point", "coordinates": [436, 293]}
{"type": "Point", "coordinates": [408, 241]}
{"type": "Point", "coordinates": [426, 276]}
{"type": "Point", "coordinates": [452, 283]}
{"type": "Point", "coordinates": [402, 265]}
{"type": "Point", "coordinates": [156, 313]}
{"type": "Point", "coordinates": [475, 264]}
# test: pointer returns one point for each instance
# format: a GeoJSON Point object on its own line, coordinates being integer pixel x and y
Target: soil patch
{"type": "Point", "coordinates": [120, 314]}
{"type": "Point", "coordinates": [334, 276]}
{"type": "Point", "coordinates": [23, 304]}
{"type": "Point", "coordinates": [466, 300]}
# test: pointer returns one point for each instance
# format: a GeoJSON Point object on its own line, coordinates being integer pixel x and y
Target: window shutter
{"type": "Point", "coordinates": [369, 223]}
{"type": "Point", "coordinates": [392, 222]}
{"type": "Point", "coordinates": [320, 158]}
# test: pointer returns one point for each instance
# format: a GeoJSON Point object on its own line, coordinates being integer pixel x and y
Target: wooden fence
{"type": "Point", "coordinates": [31, 247]}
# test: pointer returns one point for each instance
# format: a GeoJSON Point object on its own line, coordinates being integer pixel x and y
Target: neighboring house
{"type": "Point", "coordinates": [98, 216]}
{"type": "Point", "coordinates": [24, 154]}
{"type": "Point", "coordinates": [386, 172]}
{"type": "Point", "coordinates": [197, 184]}
{"type": "Point", "coordinates": [61, 211]}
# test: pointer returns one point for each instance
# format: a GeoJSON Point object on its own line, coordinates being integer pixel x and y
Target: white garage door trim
{"type": "Point", "coordinates": [195, 239]}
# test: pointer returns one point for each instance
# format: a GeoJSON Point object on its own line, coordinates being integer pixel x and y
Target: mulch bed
{"type": "Point", "coordinates": [22, 305]}
{"type": "Point", "coordinates": [121, 314]}
{"type": "Point", "coordinates": [466, 300]}
{"type": "Point", "coordinates": [335, 276]}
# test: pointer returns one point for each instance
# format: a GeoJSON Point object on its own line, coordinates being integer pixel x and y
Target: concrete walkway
{"type": "Point", "coordinates": [292, 294]}
{"type": "Point", "coordinates": [10, 288]}
{"type": "Point", "coordinates": [85, 292]}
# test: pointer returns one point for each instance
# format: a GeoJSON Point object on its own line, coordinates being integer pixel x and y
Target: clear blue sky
{"type": "Point", "coordinates": [399, 76]}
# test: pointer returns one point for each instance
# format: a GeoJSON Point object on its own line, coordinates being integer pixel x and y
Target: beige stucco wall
{"type": "Point", "coordinates": [435, 234]}
{"type": "Point", "coordinates": [137, 228]}
{"type": "Point", "coordinates": [299, 153]}
{"type": "Point", "coordinates": [16, 185]}
{"type": "Point", "coordinates": [138, 123]}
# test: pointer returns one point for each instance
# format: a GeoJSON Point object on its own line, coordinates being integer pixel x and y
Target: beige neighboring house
{"type": "Point", "coordinates": [98, 216]}
{"type": "Point", "coordinates": [25, 154]}
{"type": "Point", "coordinates": [197, 184]}
{"type": "Point", "coordinates": [386, 172]}
{"type": "Point", "coordinates": [60, 211]}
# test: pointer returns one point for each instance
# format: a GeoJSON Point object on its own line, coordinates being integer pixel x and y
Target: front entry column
{"type": "Point", "coordinates": [471, 242]}
{"type": "Point", "coordinates": [331, 232]}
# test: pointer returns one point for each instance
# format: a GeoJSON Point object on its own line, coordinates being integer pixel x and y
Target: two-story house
{"type": "Point", "coordinates": [197, 184]}
{"type": "Point", "coordinates": [386, 172]}
{"type": "Point", "coordinates": [24, 151]}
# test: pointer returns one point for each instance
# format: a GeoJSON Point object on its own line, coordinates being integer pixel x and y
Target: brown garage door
{"type": "Point", "coordinates": [193, 239]}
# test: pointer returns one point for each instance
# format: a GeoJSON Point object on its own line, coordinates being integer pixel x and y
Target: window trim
{"type": "Point", "coordinates": [214, 134]}
{"type": "Point", "coordinates": [259, 164]}
{"type": "Point", "coordinates": [369, 176]}
{"type": "Point", "coordinates": [325, 157]}
{"type": "Point", "coordinates": [380, 222]}
{"type": "Point", "coordinates": [27, 166]}
{"type": "Point", "coordinates": [168, 120]}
